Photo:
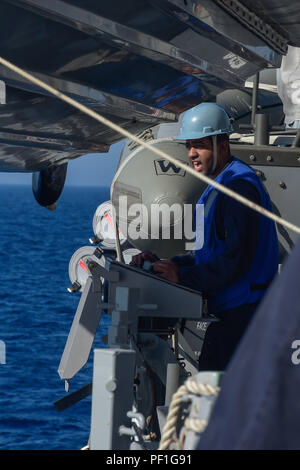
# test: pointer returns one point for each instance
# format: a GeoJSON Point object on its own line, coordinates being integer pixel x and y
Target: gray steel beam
{"type": "Point", "coordinates": [267, 155]}
{"type": "Point", "coordinates": [112, 398]}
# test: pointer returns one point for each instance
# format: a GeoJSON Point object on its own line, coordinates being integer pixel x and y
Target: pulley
{"type": "Point", "coordinates": [103, 227]}
{"type": "Point", "coordinates": [78, 266]}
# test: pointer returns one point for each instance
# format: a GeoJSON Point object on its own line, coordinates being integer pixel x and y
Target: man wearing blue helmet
{"type": "Point", "coordinates": [239, 257]}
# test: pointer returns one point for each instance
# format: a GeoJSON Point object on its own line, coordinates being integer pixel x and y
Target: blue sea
{"type": "Point", "coordinates": [36, 314]}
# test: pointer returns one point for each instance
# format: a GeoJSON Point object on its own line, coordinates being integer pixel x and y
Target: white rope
{"type": "Point", "coordinates": [190, 386]}
{"type": "Point", "coordinates": [170, 426]}
{"type": "Point", "coordinates": [195, 424]}
{"type": "Point", "coordinates": [199, 388]}
{"type": "Point", "coordinates": [148, 146]}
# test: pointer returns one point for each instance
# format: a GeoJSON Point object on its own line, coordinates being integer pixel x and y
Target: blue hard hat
{"type": "Point", "coordinates": [204, 120]}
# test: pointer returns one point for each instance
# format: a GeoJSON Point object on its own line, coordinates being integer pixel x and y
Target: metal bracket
{"type": "Point", "coordinates": [82, 332]}
{"type": "Point", "coordinates": [98, 271]}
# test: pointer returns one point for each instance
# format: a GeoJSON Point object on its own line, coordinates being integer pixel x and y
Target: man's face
{"type": "Point", "coordinates": [201, 156]}
{"type": "Point", "coordinates": [200, 153]}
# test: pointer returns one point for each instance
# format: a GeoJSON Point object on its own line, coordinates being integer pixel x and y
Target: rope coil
{"type": "Point", "coordinates": [193, 424]}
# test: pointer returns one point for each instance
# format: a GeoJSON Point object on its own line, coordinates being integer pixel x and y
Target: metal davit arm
{"type": "Point", "coordinates": [133, 293]}
{"type": "Point", "coordinates": [85, 324]}
{"type": "Point", "coordinates": [136, 294]}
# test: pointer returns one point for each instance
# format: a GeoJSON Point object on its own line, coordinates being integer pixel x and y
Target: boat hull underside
{"type": "Point", "coordinates": [140, 64]}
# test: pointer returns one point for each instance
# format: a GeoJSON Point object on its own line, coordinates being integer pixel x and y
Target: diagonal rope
{"type": "Point", "coordinates": [148, 146]}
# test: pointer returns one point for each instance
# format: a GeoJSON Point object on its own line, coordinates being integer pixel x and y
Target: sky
{"type": "Point", "coordinates": [90, 170]}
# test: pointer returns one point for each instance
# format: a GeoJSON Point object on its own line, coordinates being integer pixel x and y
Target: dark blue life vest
{"type": "Point", "coordinates": [251, 286]}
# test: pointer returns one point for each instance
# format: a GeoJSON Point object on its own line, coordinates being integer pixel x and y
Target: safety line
{"type": "Point", "coordinates": [148, 146]}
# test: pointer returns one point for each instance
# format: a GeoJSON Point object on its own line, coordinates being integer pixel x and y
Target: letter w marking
{"type": "Point", "coordinates": [164, 167]}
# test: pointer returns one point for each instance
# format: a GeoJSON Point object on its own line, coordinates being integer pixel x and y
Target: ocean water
{"type": "Point", "coordinates": [36, 314]}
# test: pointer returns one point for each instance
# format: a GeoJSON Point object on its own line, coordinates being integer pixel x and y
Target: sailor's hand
{"type": "Point", "coordinates": [138, 260]}
{"type": "Point", "coordinates": [166, 269]}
